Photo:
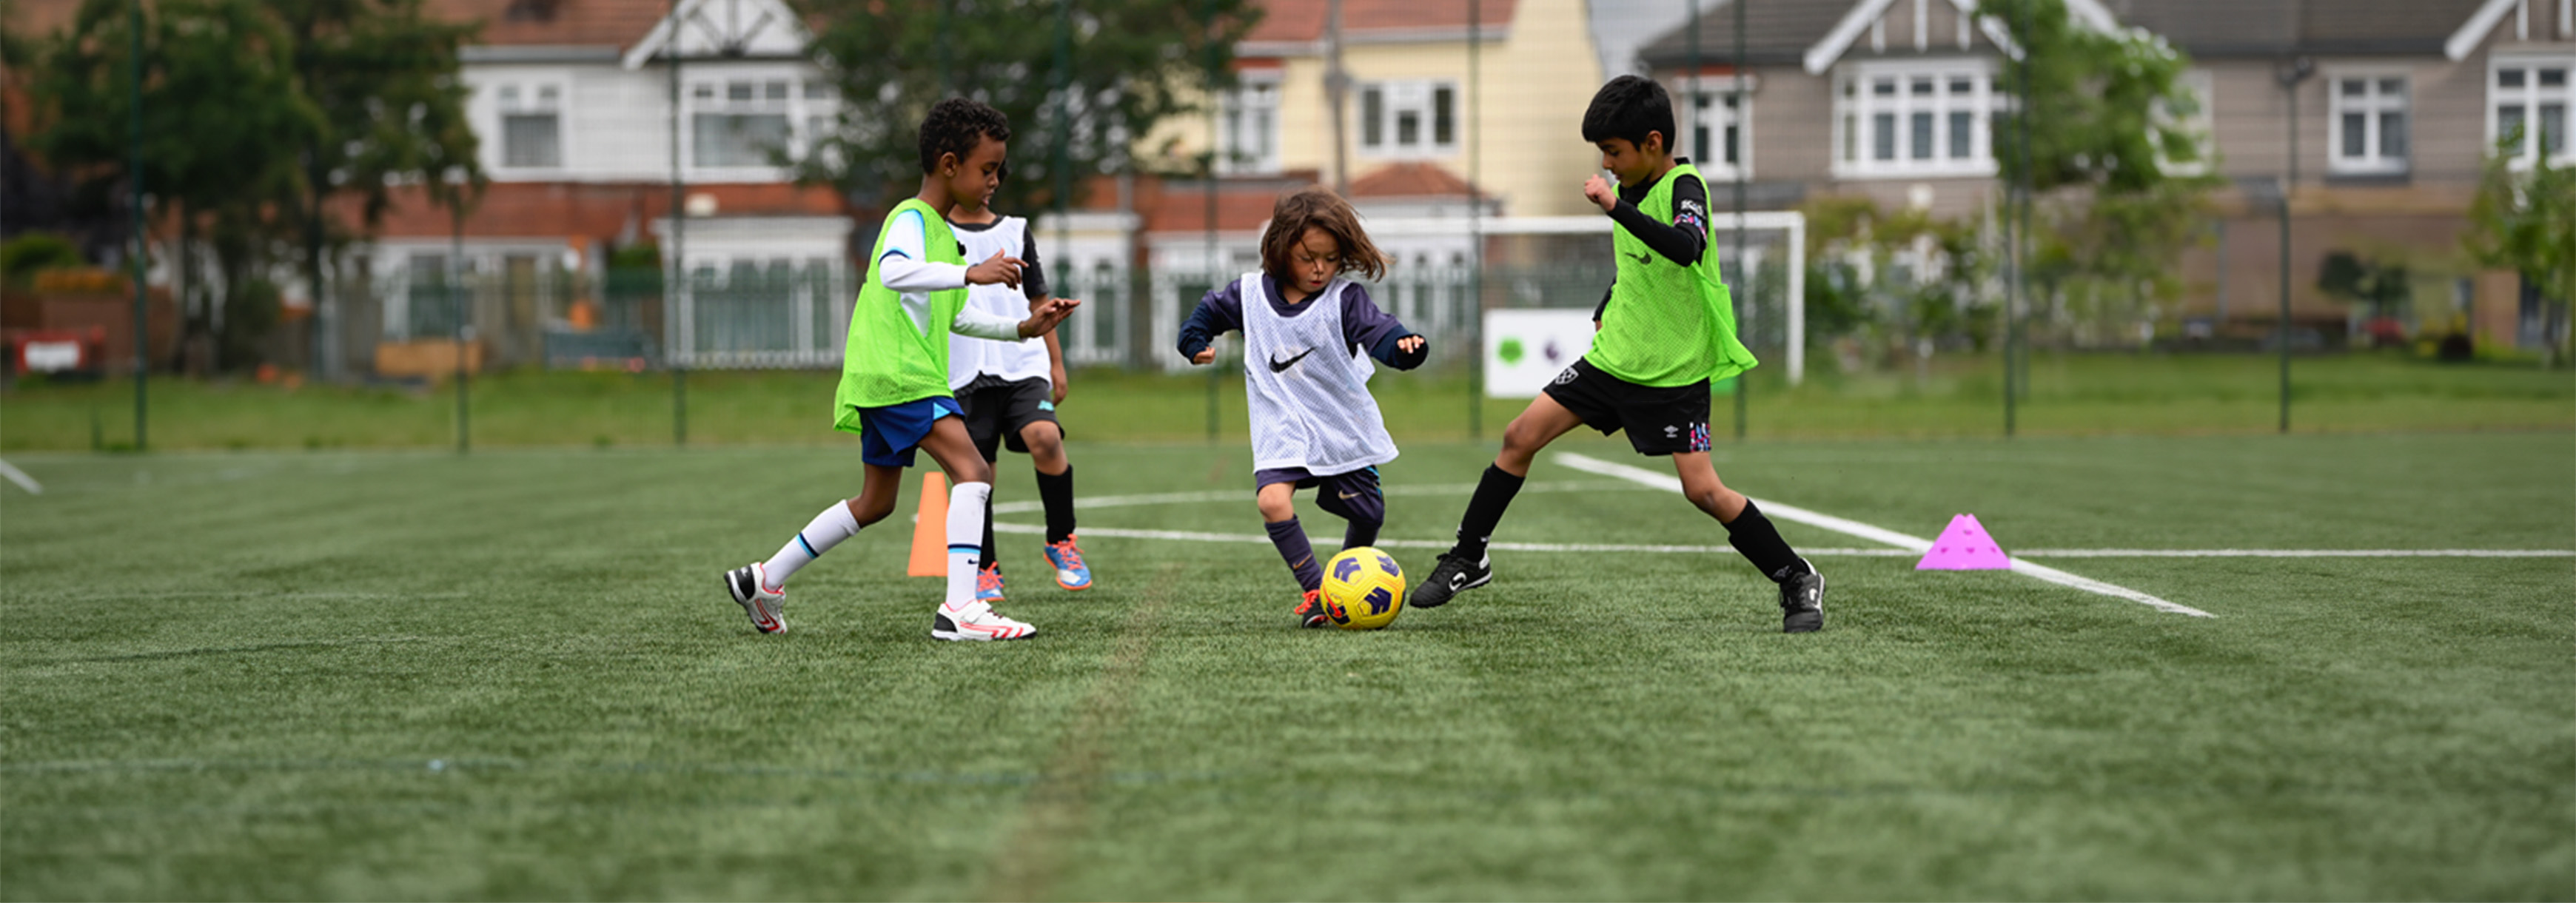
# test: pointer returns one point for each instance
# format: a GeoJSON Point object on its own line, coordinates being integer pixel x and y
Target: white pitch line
{"type": "Point", "coordinates": [21, 478]}
{"type": "Point", "coordinates": [2299, 553]}
{"type": "Point", "coordinates": [1843, 552]}
{"type": "Point", "coordinates": [1264, 539]}
{"type": "Point", "coordinates": [1646, 477]}
{"type": "Point", "coordinates": [1236, 495]}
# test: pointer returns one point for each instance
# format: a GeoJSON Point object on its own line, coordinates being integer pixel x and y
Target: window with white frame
{"type": "Point", "coordinates": [2369, 113]}
{"type": "Point", "coordinates": [1716, 129]}
{"type": "Point", "coordinates": [1408, 118]}
{"type": "Point", "coordinates": [1248, 126]}
{"type": "Point", "coordinates": [820, 114]}
{"type": "Point", "coordinates": [531, 118]}
{"type": "Point", "coordinates": [2527, 103]}
{"type": "Point", "coordinates": [739, 122]}
{"type": "Point", "coordinates": [1916, 119]}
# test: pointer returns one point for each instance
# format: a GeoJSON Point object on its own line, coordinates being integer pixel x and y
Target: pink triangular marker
{"type": "Point", "coordinates": [1964, 546]}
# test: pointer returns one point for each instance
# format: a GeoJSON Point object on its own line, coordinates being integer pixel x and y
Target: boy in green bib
{"type": "Point", "coordinates": [894, 376]}
{"type": "Point", "coordinates": [1664, 331]}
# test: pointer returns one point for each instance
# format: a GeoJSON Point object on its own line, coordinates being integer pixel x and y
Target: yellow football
{"type": "Point", "coordinates": [1363, 589]}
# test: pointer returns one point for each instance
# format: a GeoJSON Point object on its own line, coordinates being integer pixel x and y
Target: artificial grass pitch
{"type": "Point", "coordinates": [514, 675]}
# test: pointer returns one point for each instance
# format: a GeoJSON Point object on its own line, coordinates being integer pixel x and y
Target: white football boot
{"type": "Point", "coordinates": [749, 587]}
{"type": "Point", "coordinates": [977, 621]}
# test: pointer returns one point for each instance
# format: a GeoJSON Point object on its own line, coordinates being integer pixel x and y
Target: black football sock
{"type": "Point", "coordinates": [1056, 491]}
{"type": "Point", "coordinates": [1360, 533]}
{"type": "Point", "coordinates": [1494, 493]}
{"type": "Point", "coordinates": [988, 560]}
{"type": "Point", "coordinates": [1752, 534]}
{"type": "Point", "coordinates": [1300, 554]}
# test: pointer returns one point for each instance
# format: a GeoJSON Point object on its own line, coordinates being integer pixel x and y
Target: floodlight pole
{"type": "Point", "coordinates": [2015, 228]}
{"type": "Point", "coordinates": [1061, 163]}
{"type": "Point", "coordinates": [134, 188]}
{"type": "Point", "coordinates": [1207, 176]}
{"type": "Point", "coordinates": [464, 332]}
{"type": "Point", "coordinates": [2289, 73]}
{"type": "Point", "coordinates": [1475, 220]}
{"type": "Point", "coordinates": [675, 288]}
{"type": "Point", "coordinates": [1742, 384]}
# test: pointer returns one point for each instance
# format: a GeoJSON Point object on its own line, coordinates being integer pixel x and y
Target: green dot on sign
{"type": "Point", "coordinates": [1510, 351]}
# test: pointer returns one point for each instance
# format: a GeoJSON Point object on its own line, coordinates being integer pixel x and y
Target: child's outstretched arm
{"type": "Point", "coordinates": [1364, 325]}
{"type": "Point", "coordinates": [1219, 312]}
{"type": "Point", "coordinates": [1043, 318]}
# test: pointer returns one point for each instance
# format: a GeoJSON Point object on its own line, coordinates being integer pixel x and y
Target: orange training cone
{"type": "Point", "coordinates": [930, 529]}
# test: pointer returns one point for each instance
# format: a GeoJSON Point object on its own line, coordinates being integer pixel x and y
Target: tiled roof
{"type": "Point", "coordinates": [1776, 32]}
{"type": "Point", "coordinates": [1779, 32]}
{"type": "Point", "coordinates": [38, 18]}
{"type": "Point", "coordinates": [1303, 20]}
{"type": "Point", "coordinates": [2223, 28]}
{"type": "Point", "coordinates": [1242, 205]}
{"type": "Point", "coordinates": [1410, 180]}
{"type": "Point", "coordinates": [613, 23]}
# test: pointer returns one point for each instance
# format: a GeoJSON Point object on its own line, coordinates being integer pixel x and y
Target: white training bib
{"type": "Point", "coordinates": [1310, 403]}
{"type": "Point", "coordinates": [967, 355]}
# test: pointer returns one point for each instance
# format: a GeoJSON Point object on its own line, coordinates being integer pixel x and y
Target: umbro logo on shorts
{"type": "Point", "coordinates": [1566, 377]}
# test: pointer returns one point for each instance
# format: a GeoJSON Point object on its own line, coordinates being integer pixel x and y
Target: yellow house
{"type": "Point", "coordinates": [1508, 120]}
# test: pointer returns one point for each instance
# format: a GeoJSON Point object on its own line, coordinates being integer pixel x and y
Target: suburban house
{"type": "Point", "coordinates": [2397, 102]}
{"type": "Point", "coordinates": [575, 102]}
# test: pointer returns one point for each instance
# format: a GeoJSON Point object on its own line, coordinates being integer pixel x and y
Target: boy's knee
{"type": "Point", "coordinates": [1043, 439]}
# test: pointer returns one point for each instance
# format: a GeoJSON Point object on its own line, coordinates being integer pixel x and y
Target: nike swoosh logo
{"type": "Point", "coordinates": [1350, 495]}
{"type": "Point", "coordinates": [1643, 260]}
{"type": "Point", "coordinates": [1279, 366]}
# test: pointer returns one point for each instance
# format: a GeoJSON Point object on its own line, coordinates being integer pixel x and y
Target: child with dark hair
{"type": "Point", "coordinates": [1307, 336]}
{"type": "Point", "coordinates": [1666, 328]}
{"type": "Point", "coordinates": [1010, 390]}
{"type": "Point", "coordinates": [894, 376]}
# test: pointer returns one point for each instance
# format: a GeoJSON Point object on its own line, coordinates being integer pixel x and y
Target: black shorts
{"type": "Point", "coordinates": [1659, 421]}
{"type": "Point", "coordinates": [995, 412]}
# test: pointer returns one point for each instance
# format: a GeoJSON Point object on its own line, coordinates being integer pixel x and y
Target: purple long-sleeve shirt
{"type": "Point", "coordinates": [1363, 324]}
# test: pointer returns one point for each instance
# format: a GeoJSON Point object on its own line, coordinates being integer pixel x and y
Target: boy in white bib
{"type": "Point", "coordinates": [1306, 370]}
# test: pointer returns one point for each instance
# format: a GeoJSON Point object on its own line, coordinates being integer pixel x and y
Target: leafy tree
{"type": "Point", "coordinates": [2107, 149]}
{"type": "Point", "coordinates": [2526, 221]}
{"type": "Point", "coordinates": [256, 114]}
{"type": "Point", "coordinates": [222, 123]}
{"type": "Point", "coordinates": [1926, 274]}
{"type": "Point", "coordinates": [385, 82]}
{"type": "Point", "coordinates": [1134, 63]}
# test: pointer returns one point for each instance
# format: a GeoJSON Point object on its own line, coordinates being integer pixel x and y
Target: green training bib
{"type": "Point", "coordinates": [896, 353]}
{"type": "Point", "coordinates": [1667, 324]}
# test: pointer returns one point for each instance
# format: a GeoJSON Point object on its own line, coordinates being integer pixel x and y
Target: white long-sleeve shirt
{"type": "Point", "coordinates": [906, 268]}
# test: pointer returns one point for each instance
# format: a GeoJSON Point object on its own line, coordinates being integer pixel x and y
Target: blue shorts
{"type": "Point", "coordinates": [888, 435]}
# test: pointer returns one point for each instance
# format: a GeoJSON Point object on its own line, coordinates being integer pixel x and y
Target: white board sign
{"type": "Point", "coordinates": [1524, 349]}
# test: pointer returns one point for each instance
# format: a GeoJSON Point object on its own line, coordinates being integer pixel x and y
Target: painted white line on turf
{"type": "Point", "coordinates": [21, 478]}
{"type": "Point", "coordinates": [1245, 495]}
{"type": "Point", "coordinates": [1845, 552]}
{"type": "Point", "coordinates": [1264, 539]}
{"type": "Point", "coordinates": [1646, 477]}
{"type": "Point", "coordinates": [2299, 553]}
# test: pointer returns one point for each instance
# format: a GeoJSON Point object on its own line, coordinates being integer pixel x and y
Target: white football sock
{"type": "Point", "coordinates": [965, 528]}
{"type": "Point", "coordinates": [827, 530]}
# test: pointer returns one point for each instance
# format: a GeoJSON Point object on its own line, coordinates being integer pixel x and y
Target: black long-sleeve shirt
{"type": "Point", "coordinates": [1681, 241]}
{"type": "Point", "coordinates": [1364, 325]}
